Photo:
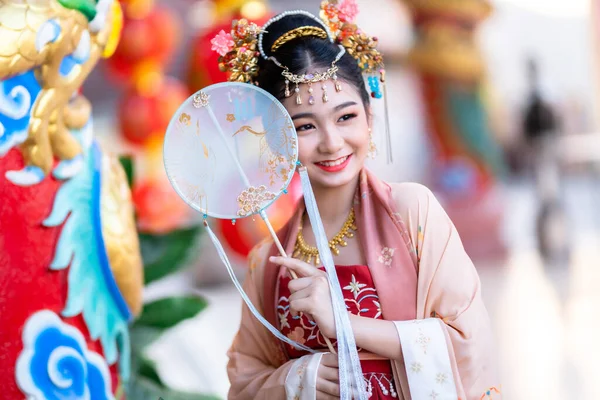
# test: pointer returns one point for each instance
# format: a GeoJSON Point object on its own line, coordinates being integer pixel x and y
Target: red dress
{"type": "Point", "coordinates": [361, 299]}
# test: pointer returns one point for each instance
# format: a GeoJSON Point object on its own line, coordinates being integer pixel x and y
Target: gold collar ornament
{"type": "Point", "coordinates": [310, 254]}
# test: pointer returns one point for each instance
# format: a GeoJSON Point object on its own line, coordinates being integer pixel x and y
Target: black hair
{"type": "Point", "coordinates": [302, 55]}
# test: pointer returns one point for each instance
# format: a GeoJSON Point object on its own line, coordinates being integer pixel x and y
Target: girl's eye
{"type": "Point", "coordinates": [305, 127]}
{"type": "Point", "coordinates": [346, 117]}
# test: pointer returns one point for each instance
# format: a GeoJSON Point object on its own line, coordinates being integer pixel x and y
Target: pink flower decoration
{"type": "Point", "coordinates": [348, 10]}
{"type": "Point", "coordinates": [222, 43]}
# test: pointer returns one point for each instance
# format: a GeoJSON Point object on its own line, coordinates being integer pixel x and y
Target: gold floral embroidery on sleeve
{"type": "Point", "coordinates": [423, 341]}
{"type": "Point", "coordinates": [301, 371]}
{"type": "Point", "coordinates": [255, 257]}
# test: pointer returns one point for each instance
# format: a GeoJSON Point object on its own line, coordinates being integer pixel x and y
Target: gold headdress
{"type": "Point", "coordinates": [238, 50]}
{"type": "Point", "coordinates": [241, 48]}
{"type": "Point", "coordinates": [302, 31]}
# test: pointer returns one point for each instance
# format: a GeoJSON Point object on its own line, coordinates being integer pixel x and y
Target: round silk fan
{"type": "Point", "coordinates": [230, 151]}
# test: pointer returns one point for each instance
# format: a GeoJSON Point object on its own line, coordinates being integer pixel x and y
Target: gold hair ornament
{"type": "Point", "coordinates": [302, 31]}
{"type": "Point", "coordinates": [240, 59]}
{"type": "Point", "coordinates": [241, 48]}
{"type": "Point", "coordinates": [310, 78]}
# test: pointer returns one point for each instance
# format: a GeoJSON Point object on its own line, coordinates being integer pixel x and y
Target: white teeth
{"type": "Point", "coordinates": [333, 163]}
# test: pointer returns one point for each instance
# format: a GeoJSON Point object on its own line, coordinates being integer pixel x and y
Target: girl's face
{"type": "Point", "coordinates": [333, 137]}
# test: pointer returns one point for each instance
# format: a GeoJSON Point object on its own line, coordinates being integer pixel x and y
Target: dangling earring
{"type": "Point", "coordinates": [372, 148]}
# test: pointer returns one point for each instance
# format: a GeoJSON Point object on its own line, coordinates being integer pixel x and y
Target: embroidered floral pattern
{"type": "Point", "coordinates": [297, 335]}
{"type": "Point", "coordinates": [416, 367]}
{"type": "Point", "coordinates": [300, 372]}
{"type": "Point", "coordinates": [254, 257]}
{"type": "Point", "coordinates": [361, 299]}
{"type": "Point", "coordinates": [423, 341]}
{"type": "Point", "coordinates": [378, 309]}
{"type": "Point", "coordinates": [441, 378]}
{"type": "Point", "coordinates": [355, 286]}
{"type": "Point", "coordinates": [386, 256]}
{"type": "Point", "coordinates": [434, 395]}
{"type": "Point", "coordinates": [412, 247]}
{"type": "Point", "coordinates": [283, 322]}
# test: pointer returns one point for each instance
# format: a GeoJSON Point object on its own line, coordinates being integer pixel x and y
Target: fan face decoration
{"type": "Point", "coordinates": [230, 150]}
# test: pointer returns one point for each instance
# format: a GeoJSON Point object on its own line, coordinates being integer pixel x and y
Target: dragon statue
{"type": "Point", "coordinates": [71, 273]}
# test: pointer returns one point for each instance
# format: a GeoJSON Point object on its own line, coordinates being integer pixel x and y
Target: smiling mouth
{"type": "Point", "coordinates": [333, 163]}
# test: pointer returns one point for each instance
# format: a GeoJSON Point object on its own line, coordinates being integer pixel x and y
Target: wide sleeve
{"type": "Point", "coordinates": [257, 367]}
{"type": "Point", "coordinates": [449, 298]}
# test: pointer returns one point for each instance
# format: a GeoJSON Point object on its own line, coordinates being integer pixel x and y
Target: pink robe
{"type": "Point", "coordinates": [404, 231]}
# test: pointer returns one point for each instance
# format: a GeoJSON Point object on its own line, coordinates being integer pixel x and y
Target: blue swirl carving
{"type": "Point", "coordinates": [17, 96]}
{"type": "Point", "coordinates": [56, 364]}
{"type": "Point", "coordinates": [92, 290]}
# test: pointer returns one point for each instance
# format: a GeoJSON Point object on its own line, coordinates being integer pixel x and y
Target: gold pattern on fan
{"type": "Point", "coordinates": [310, 254]}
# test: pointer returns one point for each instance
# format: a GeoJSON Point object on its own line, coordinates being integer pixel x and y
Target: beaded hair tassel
{"type": "Point", "coordinates": [310, 79]}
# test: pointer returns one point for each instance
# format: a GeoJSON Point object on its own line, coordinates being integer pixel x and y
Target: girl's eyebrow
{"type": "Point", "coordinates": [336, 108]}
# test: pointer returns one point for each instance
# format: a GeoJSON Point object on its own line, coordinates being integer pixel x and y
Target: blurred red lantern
{"type": "Point", "coordinates": [137, 8]}
{"type": "Point", "coordinates": [158, 207]}
{"type": "Point", "coordinates": [246, 233]}
{"type": "Point", "coordinates": [145, 114]}
{"type": "Point", "coordinates": [150, 39]}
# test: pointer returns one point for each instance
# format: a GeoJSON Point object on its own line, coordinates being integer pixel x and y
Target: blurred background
{"type": "Point", "coordinates": [494, 106]}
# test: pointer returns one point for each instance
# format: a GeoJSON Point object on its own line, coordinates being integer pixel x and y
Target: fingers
{"type": "Point", "coordinates": [329, 374]}
{"type": "Point", "coordinates": [301, 305]}
{"type": "Point", "coordinates": [300, 267]}
{"type": "Point", "coordinates": [325, 396]}
{"type": "Point", "coordinates": [295, 296]}
{"type": "Point", "coordinates": [299, 284]}
{"type": "Point", "coordinates": [328, 387]}
{"type": "Point", "coordinates": [301, 294]}
{"type": "Point", "coordinates": [329, 360]}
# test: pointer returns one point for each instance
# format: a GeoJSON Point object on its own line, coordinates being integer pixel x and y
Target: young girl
{"type": "Point", "coordinates": [412, 292]}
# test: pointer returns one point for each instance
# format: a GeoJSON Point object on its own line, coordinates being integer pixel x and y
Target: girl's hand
{"type": "Point", "coordinates": [328, 381]}
{"type": "Point", "coordinates": [310, 293]}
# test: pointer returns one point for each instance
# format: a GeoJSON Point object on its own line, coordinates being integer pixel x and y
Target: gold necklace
{"type": "Point", "coordinates": [310, 254]}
